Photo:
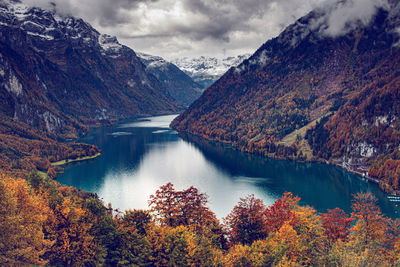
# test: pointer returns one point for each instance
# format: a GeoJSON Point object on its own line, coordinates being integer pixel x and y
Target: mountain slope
{"type": "Point", "coordinates": [179, 85]}
{"type": "Point", "coordinates": [58, 76]}
{"type": "Point", "coordinates": [340, 93]}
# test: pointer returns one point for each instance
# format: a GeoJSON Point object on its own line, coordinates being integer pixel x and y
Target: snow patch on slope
{"type": "Point", "coordinates": [153, 61]}
{"type": "Point", "coordinates": [109, 43]}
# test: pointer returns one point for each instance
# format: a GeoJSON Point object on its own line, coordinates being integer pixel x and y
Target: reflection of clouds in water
{"type": "Point", "coordinates": [184, 166]}
{"type": "Point", "coordinates": [120, 133]}
{"type": "Point", "coordinates": [151, 122]}
{"type": "Point", "coordinates": [160, 131]}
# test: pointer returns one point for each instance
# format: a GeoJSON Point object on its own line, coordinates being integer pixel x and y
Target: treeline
{"type": "Point", "coordinates": [44, 223]}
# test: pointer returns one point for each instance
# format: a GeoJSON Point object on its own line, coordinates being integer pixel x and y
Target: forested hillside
{"type": "Point", "coordinates": [312, 95]}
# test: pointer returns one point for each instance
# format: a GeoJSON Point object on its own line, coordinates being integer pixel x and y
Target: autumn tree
{"type": "Point", "coordinates": [174, 208]}
{"type": "Point", "coordinates": [392, 242]}
{"type": "Point", "coordinates": [281, 211]}
{"type": "Point", "coordinates": [69, 226]}
{"type": "Point", "coordinates": [139, 219]}
{"type": "Point", "coordinates": [371, 228]}
{"type": "Point", "coordinates": [371, 225]}
{"type": "Point", "coordinates": [286, 243]}
{"type": "Point", "coordinates": [239, 255]}
{"type": "Point", "coordinates": [246, 222]}
{"type": "Point", "coordinates": [133, 245]}
{"type": "Point", "coordinates": [22, 216]}
{"type": "Point", "coordinates": [336, 225]}
{"type": "Point", "coordinates": [169, 246]}
{"type": "Point", "coordinates": [187, 208]}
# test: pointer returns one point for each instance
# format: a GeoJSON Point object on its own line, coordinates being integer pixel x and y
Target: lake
{"type": "Point", "coordinates": [138, 157]}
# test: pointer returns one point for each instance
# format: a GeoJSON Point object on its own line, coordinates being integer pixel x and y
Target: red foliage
{"type": "Point", "coordinates": [174, 208]}
{"type": "Point", "coordinates": [246, 222]}
{"type": "Point", "coordinates": [336, 225]}
{"type": "Point", "coordinates": [281, 211]}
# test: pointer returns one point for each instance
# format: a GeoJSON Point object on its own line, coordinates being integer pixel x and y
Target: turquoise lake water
{"type": "Point", "coordinates": [140, 156]}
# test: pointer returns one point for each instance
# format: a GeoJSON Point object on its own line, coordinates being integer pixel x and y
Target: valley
{"type": "Point", "coordinates": [244, 134]}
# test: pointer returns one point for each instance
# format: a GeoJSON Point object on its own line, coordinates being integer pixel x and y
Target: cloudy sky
{"type": "Point", "coordinates": [178, 28]}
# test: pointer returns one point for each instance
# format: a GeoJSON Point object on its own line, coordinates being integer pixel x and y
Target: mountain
{"type": "Point", "coordinates": [312, 95]}
{"type": "Point", "coordinates": [206, 70]}
{"type": "Point", "coordinates": [180, 86]}
{"type": "Point", "coordinates": [58, 76]}
{"type": "Point", "coordinates": [56, 70]}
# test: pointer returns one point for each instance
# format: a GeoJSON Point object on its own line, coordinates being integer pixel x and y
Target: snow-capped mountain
{"type": "Point", "coordinates": [179, 85]}
{"type": "Point", "coordinates": [206, 70]}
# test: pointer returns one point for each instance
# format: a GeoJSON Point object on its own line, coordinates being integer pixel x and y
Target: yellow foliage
{"type": "Point", "coordinates": [21, 218]}
{"type": "Point", "coordinates": [70, 229]}
{"type": "Point", "coordinates": [287, 237]}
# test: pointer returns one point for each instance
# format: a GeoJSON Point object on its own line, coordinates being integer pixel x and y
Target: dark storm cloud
{"type": "Point", "coordinates": [221, 17]}
{"type": "Point", "coordinates": [215, 19]}
{"type": "Point", "coordinates": [115, 12]}
{"type": "Point", "coordinates": [193, 27]}
{"type": "Point", "coordinates": [107, 12]}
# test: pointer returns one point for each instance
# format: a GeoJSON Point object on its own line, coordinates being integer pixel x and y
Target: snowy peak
{"type": "Point", "coordinates": [153, 61]}
{"type": "Point", "coordinates": [110, 45]}
{"type": "Point", "coordinates": [43, 25]}
{"type": "Point", "coordinates": [206, 70]}
{"type": "Point", "coordinates": [208, 65]}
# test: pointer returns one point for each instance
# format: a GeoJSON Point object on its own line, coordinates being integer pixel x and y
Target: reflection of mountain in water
{"type": "Point", "coordinates": [319, 185]}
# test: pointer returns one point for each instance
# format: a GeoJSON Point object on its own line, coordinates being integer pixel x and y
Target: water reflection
{"type": "Point", "coordinates": [141, 156]}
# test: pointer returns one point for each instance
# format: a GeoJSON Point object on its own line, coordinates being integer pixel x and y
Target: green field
{"type": "Point", "coordinates": [65, 161]}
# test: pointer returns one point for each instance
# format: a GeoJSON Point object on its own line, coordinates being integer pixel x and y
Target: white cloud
{"type": "Point", "coordinates": [346, 16]}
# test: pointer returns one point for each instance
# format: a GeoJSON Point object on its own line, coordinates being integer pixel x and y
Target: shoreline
{"type": "Point", "coordinates": [66, 161]}
{"type": "Point", "coordinates": [363, 175]}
